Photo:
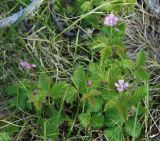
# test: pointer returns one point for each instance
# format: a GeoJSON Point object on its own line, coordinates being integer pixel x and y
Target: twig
{"type": "Point", "coordinates": [22, 14]}
{"type": "Point", "coordinates": [153, 6]}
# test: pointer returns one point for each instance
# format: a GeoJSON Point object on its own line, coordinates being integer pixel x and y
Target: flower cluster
{"type": "Point", "coordinates": [111, 20]}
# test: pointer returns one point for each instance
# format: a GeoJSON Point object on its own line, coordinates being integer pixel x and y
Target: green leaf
{"type": "Point", "coordinates": [44, 82]}
{"type": "Point", "coordinates": [139, 94]}
{"type": "Point", "coordinates": [86, 6]}
{"type": "Point", "coordinates": [127, 64]}
{"type": "Point", "coordinates": [12, 90]}
{"type": "Point", "coordinates": [98, 74]}
{"type": "Point", "coordinates": [130, 1]}
{"type": "Point", "coordinates": [113, 118]}
{"type": "Point", "coordinates": [97, 120]}
{"type": "Point", "coordinates": [108, 31]}
{"type": "Point", "coordinates": [133, 128]}
{"type": "Point", "coordinates": [71, 94]}
{"type": "Point", "coordinates": [51, 125]}
{"type": "Point", "coordinates": [38, 99]}
{"type": "Point", "coordinates": [95, 104]}
{"type": "Point", "coordinates": [84, 119]}
{"type": "Point", "coordinates": [22, 100]}
{"type": "Point", "coordinates": [105, 53]}
{"type": "Point", "coordinates": [59, 90]}
{"type": "Point", "coordinates": [141, 59]}
{"type": "Point", "coordinates": [113, 134]}
{"type": "Point", "coordinates": [79, 79]}
{"type": "Point", "coordinates": [141, 74]}
{"type": "Point", "coordinates": [113, 74]}
{"type": "Point", "coordinates": [11, 130]}
{"type": "Point", "coordinates": [121, 102]}
{"type": "Point", "coordinates": [99, 43]}
{"type": "Point", "coordinates": [5, 137]}
{"type": "Point", "coordinates": [19, 97]}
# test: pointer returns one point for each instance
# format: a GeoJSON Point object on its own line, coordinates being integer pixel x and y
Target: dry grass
{"type": "Point", "coordinates": [143, 33]}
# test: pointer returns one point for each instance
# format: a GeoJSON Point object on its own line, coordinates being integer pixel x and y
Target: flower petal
{"type": "Point", "coordinates": [116, 84]}
{"type": "Point", "coordinates": [120, 89]}
{"type": "Point", "coordinates": [125, 85]}
{"type": "Point", "coordinates": [121, 82]}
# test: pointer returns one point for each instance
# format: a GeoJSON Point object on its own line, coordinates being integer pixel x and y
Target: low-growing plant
{"type": "Point", "coordinates": [101, 101]}
{"type": "Point", "coordinates": [106, 96]}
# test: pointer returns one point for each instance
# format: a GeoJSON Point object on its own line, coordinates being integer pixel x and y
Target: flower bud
{"type": "Point", "coordinates": [89, 84]}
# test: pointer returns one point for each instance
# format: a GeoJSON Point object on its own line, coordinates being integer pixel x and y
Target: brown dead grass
{"type": "Point", "coordinates": [143, 32]}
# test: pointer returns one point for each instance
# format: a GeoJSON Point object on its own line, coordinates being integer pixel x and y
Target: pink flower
{"type": "Point", "coordinates": [121, 85]}
{"type": "Point", "coordinates": [111, 20]}
{"type": "Point", "coordinates": [26, 65]}
{"type": "Point", "coordinates": [89, 84]}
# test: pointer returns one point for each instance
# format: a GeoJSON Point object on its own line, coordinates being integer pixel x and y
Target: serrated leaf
{"type": "Point", "coordinates": [12, 90]}
{"type": "Point", "coordinates": [113, 74]}
{"type": "Point", "coordinates": [139, 94]}
{"type": "Point", "coordinates": [86, 6]}
{"type": "Point", "coordinates": [71, 94]}
{"type": "Point", "coordinates": [141, 74]}
{"type": "Point", "coordinates": [141, 59]}
{"type": "Point", "coordinates": [11, 130]}
{"type": "Point", "coordinates": [38, 99]}
{"type": "Point", "coordinates": [105, 53]}
{"type": "Point", "coordinates": [95, 104]}
{"type": "Point", "coordinates": [121, 102]}
{"type": "Point", "coordinates": [97, 120]}
{"type": "Point", "coordinates": [44, 82]}
{"type": "Point", "coordinates": [79, 79]}
{"type": "Point", "coordinates": [20, 97]}
{"type": "Point", "coordinates": [100, 42]}
{"type": "Point", "coordinates": [113, 118]}
{"type": "Point", "coordinates": [113, 134]}
{"type": "Point", "coordinates": [5, 137]}
{"type": "Point", "coordinates": [127, 64]}
{"type": "Point", "coordinates": [59, 89]}
{"type": "Point", "coordinates": [133, 128]}
{"type": "Point", "coordinates": [98, 74]}
{"type": "Point", "coordinates": [85, 119]}
{"type": "Point", "coordinates": [22, 100]}
{"type": "Point", "coordinates": [51, 125]}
